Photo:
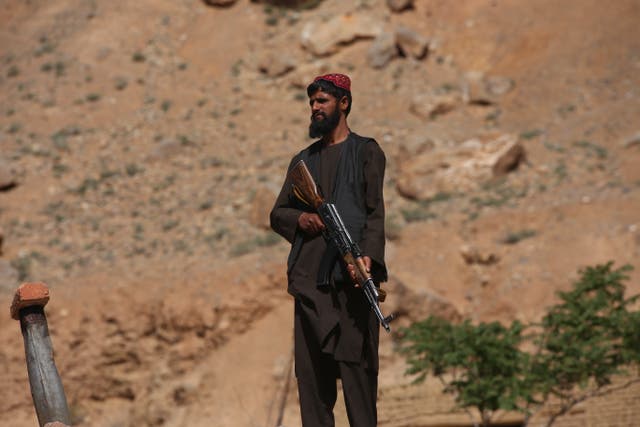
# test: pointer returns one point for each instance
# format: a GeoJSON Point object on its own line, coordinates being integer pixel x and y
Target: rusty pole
{"type": "Point", "coordinates": [46, 386]}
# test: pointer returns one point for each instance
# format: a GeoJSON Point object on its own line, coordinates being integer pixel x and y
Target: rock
{"type": "Point", "coordinates": [473, 89]}
{"type": "Point", "coordinates": [388, 45]}
{"type": "Point", "coordinates": [415, 305]}
{"type": "Point", "coordinates": [430, 105]}
{"type": "Point", "coordinates": [186, 391]}
{"type": "Point", "coordinates": [411, 43]}
{"type": "Point", "coordinates": [7, 176]}
{"type": "Point", "coordinates": [382, 50]}
{"type": "Point", "coordinates": [508, 160]}
{"type": "Point", "coordinates": [305, 4]}
{"type": "Point", "coordinates": [305, 73]}
{"type": "Point", "coordinates": [276, 64]}
{"type": "Point", "coordinates": [413, 145]}
{"type": "Point", "coordinates": [220, 3]}
{"type": "Point", "coordinates": [325, 38]}
{"type": "Point", "coordinates": [399, 5]}
{"type": "Point", "coordinates": [499, 86]}
{"type": "Point", "coordinates": [457, 169]}
{"type": "Point", "coordinates": [165, 149]}
{"type": "Point", "coordinates": [8, 277]}
{"type": "Point", "coordinates": [482, 90]}
{"type": "Point", "coordinates": [472, 255]}
{"type": "Point", "coordinates": [261, 207]}
{"type": "Point", "coordinates": [632, 141]}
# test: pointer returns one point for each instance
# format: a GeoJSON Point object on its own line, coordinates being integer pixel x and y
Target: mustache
{"type": "Point", "coordinates": [320, 113]}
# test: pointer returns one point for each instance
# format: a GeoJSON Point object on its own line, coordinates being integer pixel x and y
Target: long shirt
{"type": "Point", "coordinates": [339, 316]}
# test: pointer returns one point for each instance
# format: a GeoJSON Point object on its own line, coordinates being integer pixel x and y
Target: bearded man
{"type": "Point", "coordinates": [336, 334]}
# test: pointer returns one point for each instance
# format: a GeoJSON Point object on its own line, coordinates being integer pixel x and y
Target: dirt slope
{"type": "Point", "coordinates": [145, 142]}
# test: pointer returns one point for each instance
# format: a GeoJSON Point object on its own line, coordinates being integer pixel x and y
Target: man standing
{"type": "Point", "coordinates": [336, 333]}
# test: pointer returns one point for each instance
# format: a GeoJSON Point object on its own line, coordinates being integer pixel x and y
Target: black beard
{"type": "Point", "coordinates": [320, 128]}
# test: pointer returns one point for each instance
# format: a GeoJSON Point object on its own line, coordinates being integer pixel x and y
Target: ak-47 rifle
{"type": "Point", "coordinates": [305, 189]}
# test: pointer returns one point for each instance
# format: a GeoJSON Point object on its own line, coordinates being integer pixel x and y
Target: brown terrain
{"type": "Point", "coordinates": [142, 145]}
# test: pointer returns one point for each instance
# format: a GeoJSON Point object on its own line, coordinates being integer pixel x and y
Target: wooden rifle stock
{"type": "Point", "coordinates": [304, 187]}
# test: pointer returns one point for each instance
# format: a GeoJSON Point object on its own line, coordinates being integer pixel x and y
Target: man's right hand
{"type": "Point", "coordinates": [310, 223]}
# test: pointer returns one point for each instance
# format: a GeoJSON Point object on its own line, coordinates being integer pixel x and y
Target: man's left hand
{"type": "Point", "coordinates": [352, 270]}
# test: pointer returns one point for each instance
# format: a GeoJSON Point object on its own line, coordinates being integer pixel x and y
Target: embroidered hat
{"type": "Point", "coordinates": [340, 80]}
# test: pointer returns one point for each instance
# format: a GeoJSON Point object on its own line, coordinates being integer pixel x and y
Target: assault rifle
{"type": "Point", "coordinates": [305, 189]}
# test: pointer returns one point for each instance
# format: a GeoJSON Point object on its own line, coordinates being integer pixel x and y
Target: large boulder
{"type": "Point", "coordinates": [459, 168]}
{"type": "Point", "coordinates": [323, 38]}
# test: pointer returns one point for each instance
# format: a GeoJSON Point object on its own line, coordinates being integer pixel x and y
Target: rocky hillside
{"type": "Point", "coordinates": [142, 145]}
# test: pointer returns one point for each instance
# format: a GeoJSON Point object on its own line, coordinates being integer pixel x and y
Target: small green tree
{"type": "Point", "coordinates": [582, 342]}
{"type": "Point", "coordinates": [585, 340]}
{"type": "Point", "coordinates": [481, 365]}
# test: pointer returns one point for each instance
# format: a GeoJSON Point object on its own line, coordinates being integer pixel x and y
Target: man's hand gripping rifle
{"type": "Point", "coordinates": [304, 188]}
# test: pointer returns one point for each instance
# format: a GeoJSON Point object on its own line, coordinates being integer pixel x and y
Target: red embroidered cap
{"type": "Point", "coordinates": [340, 80]}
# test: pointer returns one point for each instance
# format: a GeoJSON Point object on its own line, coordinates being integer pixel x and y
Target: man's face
{"type": "Point", "coordinates": [325, 114]}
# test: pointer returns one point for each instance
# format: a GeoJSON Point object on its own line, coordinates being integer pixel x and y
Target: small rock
{"type": "Point", "coordinates": [509, 159]}
{"type": "Point", "coordinates": [276, 64]}
{"type": "Point", "coordinates": [483, 90]}
{"type": "Point", "coordinates": [473, 255]}
{"type": "Point", "coordinates": [474, 91]}
{"type": "Point", "coordinates": [428, 106]}
{"type": "Point", "coordinates": [290, 3]}
{"type": "Point", "coordinates": [413, 304]}
{"type": "Point", "coordinates": [280, 368]}
{"type": "Point", "coordinates": [166, 149]}
{"type": "Point", "coordinates": [382, 50]}
{"type": "Point", "coordinates": [305, 73]}
{"type": "Point", "coordinates": [499, 86]}
{"type": "Point", "coordinates": [186, 391]}
{"type": "Point", "coordinates": [7, 176]}
{"type": "Point", "coordinates": [399, 5]}
{"type": "Point", "coordinates": [220, 3]}
{"type": "Point", "coordinates": [632, 141]}
{"type": "Point", "coordinates": [411, 43]}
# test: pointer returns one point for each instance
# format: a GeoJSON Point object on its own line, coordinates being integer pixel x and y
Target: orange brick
{"type": "Point", "coordinates": [27, 295]}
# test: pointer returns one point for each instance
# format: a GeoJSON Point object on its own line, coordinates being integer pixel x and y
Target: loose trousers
{"type": "Point", "coordinates": [317, 373]}
{"type": "Point", "coordinates": [318, 394]}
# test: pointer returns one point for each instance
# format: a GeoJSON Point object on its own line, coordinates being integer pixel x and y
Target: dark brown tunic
{"type": "Point", "coordinates": [337, 319]}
